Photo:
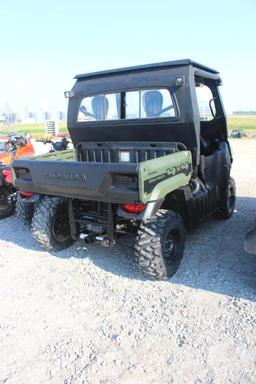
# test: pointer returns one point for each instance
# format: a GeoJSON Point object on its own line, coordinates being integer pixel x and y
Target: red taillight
{"type": "Point", "coordinates": [26, 194]}
{"type": "Point", "coordinates": [7, 173]}
{"type": "Point", "coordinates": [133, 208]}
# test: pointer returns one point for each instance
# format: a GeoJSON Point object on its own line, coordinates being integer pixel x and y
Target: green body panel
{"type": "Point", "coordinates": [160, 176]}
{"type": "Point", "coordinates": [67, 155]}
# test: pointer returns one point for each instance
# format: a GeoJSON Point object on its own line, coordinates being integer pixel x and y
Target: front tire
{"type": "Point", "coordinates": [159, 245]}
{"type": "Point", "coordinates": [228, 202]}
{"type": "Point", "coordinates": [50, 224]}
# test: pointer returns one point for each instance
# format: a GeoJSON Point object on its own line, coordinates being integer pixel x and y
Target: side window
{"type": "Point", "coordinates": [99, 108]}
{"type": "Point", "coordinates": [150, 103]}
{"type": "Point", "coordinates": [205, 102]}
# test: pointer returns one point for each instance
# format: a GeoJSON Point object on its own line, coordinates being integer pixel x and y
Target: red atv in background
{"type": "Point", "coordinates": [17, 146]}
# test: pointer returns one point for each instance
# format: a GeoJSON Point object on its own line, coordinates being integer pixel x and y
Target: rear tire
{"type": "Point", "coordinates": [24, 211]}
{"type": "Point", "coordinates": [50, 224]}
{"type": "Point", "coordinates": [159, 245]}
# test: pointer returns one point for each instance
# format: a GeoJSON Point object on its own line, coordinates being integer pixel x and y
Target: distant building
{"type": "Point", "coordinates": [2, 119]}
{"type": "Point", "coordinates": [61, 116]}
{"type": "Point", "coordinates": [47, 115]}
{"type": "Point", "coordinates": [10, 118]}
{"type": "Point", "coordinates": [30, 116]}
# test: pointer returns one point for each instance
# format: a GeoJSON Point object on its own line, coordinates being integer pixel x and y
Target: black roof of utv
{"type": "Point", "coordinates": [154, 66]}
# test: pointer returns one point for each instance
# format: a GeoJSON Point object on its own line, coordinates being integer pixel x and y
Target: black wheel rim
{"type": "Point", "coordinates": [61, 228]}
{"type": "Point", "coordinates": [170, 246]}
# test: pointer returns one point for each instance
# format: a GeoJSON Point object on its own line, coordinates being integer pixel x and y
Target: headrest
{"type": "Point", "coordinates": [152, 103]}
{"type": "Point", "coordinates": [100, 107]}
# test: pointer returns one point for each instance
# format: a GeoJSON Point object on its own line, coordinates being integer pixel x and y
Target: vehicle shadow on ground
{"type": "Point", "coordinates": [214, 258]}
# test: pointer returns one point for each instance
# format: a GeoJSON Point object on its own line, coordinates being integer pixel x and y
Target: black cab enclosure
{"type": "Point", "coordinates": [150, 146]}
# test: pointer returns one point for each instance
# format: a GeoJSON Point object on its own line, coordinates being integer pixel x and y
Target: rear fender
{"type": "Point", "coordinates": [25, 151]}
{"type": "Point", "coordinates": [160, 176]}
{"type": "Point", "coordinates": [4, 180]}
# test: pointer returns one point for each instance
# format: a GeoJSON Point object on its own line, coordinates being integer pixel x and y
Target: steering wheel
{"type": "Point", "coordinates": [83, 109]}
{"type": "Point", "coordinates": [163, 110]}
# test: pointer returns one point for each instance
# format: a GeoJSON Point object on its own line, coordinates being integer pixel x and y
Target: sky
{"type": "Point", "coordinates": [45, 44]}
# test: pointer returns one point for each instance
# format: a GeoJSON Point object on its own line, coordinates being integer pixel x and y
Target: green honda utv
{"type": "Point", "coordinates": [152, 159]}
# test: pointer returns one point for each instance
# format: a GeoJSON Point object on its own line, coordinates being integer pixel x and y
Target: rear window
{"type": "Point", "coordinates": [149, 104]}
{"type": "Point", "coordinates": [139, 104]}
{"type": "Point", "coordinates": [100, 107]}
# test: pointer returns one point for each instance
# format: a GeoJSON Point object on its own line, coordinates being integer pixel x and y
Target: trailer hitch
{"type": "Point", "coordinates": [89, 237]}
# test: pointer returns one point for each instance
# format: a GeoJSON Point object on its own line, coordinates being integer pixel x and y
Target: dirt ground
{"type": "Point", "coordinates": [88, 316]}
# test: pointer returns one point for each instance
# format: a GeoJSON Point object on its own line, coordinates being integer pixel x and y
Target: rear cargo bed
{"type": "Point", "coordinates": [150, 173]}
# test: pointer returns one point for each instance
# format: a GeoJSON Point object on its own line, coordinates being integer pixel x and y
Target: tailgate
{"type": "Point", "coordinates": [109, 182]}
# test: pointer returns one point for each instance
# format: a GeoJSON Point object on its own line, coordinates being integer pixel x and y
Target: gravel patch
{"type": "Point", "coordinates": [87, 316]}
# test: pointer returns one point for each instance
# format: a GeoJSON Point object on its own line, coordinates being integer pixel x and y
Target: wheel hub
{"type": "Point", "coordinates": [169, 247]}
{"type": "Point", "coordinates": [61, 228]}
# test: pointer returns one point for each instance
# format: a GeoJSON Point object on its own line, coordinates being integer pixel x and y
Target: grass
{"type": "Point", "coordinates": [245, 122]}
{"type": "Point", "coordinates": [37, 129]}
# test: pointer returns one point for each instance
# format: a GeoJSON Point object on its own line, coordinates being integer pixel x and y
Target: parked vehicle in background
{"type": "Point", "coordinates": [15, 147]}
{"type": "Point", "coordinates": [61, 145]}
{"type": "Point", "coordinates": [26, 202]}
{"type": "Point", "coordinates": [237, 134]}
{"type": "Point", "coordinates": [152, 159]}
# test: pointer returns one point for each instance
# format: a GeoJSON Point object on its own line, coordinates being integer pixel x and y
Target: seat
{"type": "Point", "coordinates": [205, 148]}
{"type": "Point", "coordinates": [100, 107]}
{"type": "Point", "coordinates": [153, 103]}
